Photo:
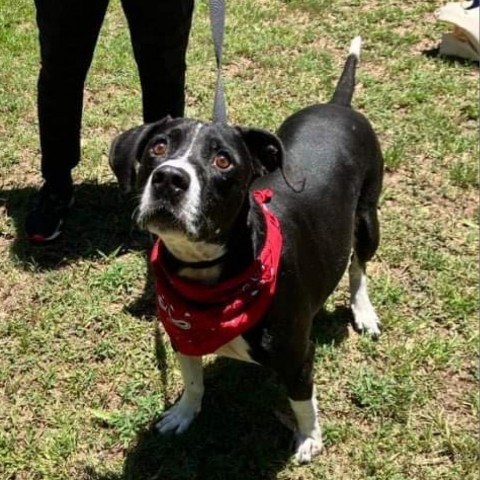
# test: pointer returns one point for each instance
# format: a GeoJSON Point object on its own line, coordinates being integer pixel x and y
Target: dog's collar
{"type": "Point", "coordinates": [199, 318]}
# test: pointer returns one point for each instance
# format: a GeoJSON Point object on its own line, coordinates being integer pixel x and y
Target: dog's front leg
{"type": "Point", "coordinates": [301, 393]}
{"type": "Point", "coordinates": [308, 438]}
{"type": "Point", "coordinates": [178, 418]}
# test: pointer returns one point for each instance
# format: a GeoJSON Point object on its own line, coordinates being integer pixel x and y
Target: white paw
{"type": "Point", "coordinates": [178, 418]}
{"type": "Point", "coordinates": [306, 447]}
{"type": "Point", "coordinates": [367, 322]}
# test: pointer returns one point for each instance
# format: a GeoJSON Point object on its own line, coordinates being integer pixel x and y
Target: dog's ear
{"type": "Point", "coordinates": [126, 151]}
{"type": "Point", "coordinates": [267, 149]}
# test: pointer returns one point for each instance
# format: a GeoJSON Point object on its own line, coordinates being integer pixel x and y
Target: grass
{"type": "Point", "coordinates": [83, 372]}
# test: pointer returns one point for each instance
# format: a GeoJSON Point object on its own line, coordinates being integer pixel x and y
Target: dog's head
{"type": "Point", "coordinates": [193, 177]}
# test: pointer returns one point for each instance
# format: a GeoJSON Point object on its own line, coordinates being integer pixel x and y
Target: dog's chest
{"type": "Point", "coordinates": [237, 348]}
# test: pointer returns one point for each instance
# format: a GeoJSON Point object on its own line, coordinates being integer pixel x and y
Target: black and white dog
{"type": "Point", "coordinates": [323, 174]}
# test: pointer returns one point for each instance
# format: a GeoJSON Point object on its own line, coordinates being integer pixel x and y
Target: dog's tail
{"type": "Point", "coordinates": [346, 85]}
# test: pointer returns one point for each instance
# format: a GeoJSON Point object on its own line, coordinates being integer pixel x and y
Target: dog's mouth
{"type": "Point", "coordinates": [158, 215]}
{"type": "Point", "coordinates": [161, 216]}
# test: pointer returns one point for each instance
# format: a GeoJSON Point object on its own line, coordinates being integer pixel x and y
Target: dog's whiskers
{"type": "Point", "coordinates": [135, 213]}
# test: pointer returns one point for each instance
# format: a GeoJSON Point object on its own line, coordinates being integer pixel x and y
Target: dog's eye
{"type": "Point", "coordinates": [222, 161]}
{"type": "Point", "coordinates": [159, 149]}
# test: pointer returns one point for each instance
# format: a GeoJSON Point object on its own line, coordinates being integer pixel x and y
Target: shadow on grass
{"type": "Point", "coordinates": [435, 53]}
{"type": "Point", "coordinates": [143, 307]}
{"type": "Point", "coordinates": [331, 328]}
{"type": "Point", "coordinates": [99, 223]}
{"type": "Point", "coordinates": [236, 436]}
{"type": "Point", "coordinates": [241, 432]}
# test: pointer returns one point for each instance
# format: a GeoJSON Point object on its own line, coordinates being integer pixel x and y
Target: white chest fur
{"type": "Point", "coordinates": [236, 348]}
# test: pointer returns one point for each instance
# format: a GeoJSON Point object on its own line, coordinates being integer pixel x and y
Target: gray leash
{"type": "Point", "coordinates": [217, 21]}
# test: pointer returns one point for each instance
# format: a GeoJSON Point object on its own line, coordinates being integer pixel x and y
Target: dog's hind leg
{"type": "Point", "coordinates": [180, 416]}
{"type": "Point", "coordinates": [365, 245]}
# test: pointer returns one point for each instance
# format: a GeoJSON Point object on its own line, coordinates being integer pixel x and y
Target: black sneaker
{"type": "Point", "coordinates": [45, 220]}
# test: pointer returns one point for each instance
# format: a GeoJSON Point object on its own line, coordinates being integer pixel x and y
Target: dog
{"type": "Point", "coordinates": [282, 216]}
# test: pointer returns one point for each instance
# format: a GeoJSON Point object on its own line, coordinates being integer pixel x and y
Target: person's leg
{"type": "Point", "coordinates": [68, 32]}
{"type": "Point", "coordinates": [159, 32]}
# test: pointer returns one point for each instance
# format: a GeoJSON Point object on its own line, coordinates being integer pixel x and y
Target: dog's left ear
{"type": "Point", "coordinates": [267, 149]}
{"type": "Point", "coordinates": [126, 151]}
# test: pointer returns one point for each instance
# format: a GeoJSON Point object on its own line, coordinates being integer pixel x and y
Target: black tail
{"type": "Point", "coordinates": [346, 85]}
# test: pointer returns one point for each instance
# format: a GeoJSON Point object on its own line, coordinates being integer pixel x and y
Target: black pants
{"type": "Point", "coordinates": [68, 31]}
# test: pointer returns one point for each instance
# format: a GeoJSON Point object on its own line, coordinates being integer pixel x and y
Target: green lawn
{"type": "Point", "coordinates": [83, 371]}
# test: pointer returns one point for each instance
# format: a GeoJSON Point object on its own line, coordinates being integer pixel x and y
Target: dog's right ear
{"type": "Point", "coordinates": [126, 152]}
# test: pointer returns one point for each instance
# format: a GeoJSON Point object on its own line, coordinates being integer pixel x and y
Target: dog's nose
{"type": "Point", "coordinates": [170, 180]}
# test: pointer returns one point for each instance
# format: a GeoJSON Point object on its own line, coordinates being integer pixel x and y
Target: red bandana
{"type": "Point", "coordinates": [198, 318]}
